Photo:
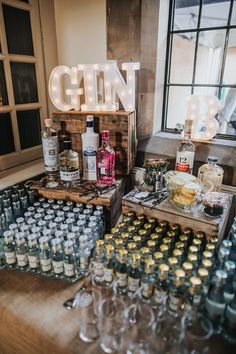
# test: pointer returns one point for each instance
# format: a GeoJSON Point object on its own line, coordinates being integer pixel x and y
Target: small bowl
{"type": "Point", "coordinates": [183, 189]}
{"type": "Point", "coordinates": [214, 204]}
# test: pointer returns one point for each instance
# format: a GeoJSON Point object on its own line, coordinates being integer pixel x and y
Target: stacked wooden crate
{"type": "Point", "coordinates": [121, 126]}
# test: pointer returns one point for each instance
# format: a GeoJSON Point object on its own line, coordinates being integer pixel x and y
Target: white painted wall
{"type": "Point", "coordinates": [81, 31]}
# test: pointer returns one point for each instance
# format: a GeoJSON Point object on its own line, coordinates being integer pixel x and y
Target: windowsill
{"type": "Point", "coordinates": [21, 173]}
{"type": "Point", "coordinates": [165, 144]}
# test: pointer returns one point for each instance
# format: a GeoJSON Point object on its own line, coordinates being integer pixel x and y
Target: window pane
{"type": "Point", "coordinates": [230, 67]}
{"type": "Point", "coordinates": [205, 91]}
{"type": "Point", "coordinates": [186, 14]}
{"type": "Point", "coordinates": [29, 128]}
{"type": "Point", "coordinates": [209, 56]}
{"type": "Point", "coordinates": [3, 88]}
{"type": "Point", "coordinates": [177, 105]}
{"type": "Point", "coordinates": [183, 46]}
{"type": "Point", "coordinates": [215, 13]}
{"type": "Point", "coordinates": [233, 17]}
{"type": "Point", "coordinates": [24, 82]}
{"type": "Point", "coordinates": [6, 134]}
{"type": "Point", "coordinates": [227, 115]}
{"type": "Point", "coordinates": [18, 30]}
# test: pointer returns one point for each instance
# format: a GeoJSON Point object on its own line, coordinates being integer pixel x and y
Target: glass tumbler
{"type": "Point", "coordinates": [87, 302]}
{"type": "Point", "coordinates": [112, 324]}
{"type": "Point", "coordinates": [198, 329]}
{"type": "Point", "coordinates": [140, 319]}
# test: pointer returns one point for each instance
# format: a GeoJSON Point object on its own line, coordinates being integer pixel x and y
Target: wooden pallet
{"type": "Point", "coordinates": [122, 130]}
{"type": "Point", "coordinates": [112, 201]}
{"type": "Point", "coordinates": [196, 220]}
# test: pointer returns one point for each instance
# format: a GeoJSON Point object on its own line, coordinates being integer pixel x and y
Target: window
{"type": "Point", "coordinates": [201, 59]}
{"type": "Point", "coordinates": [22, 83]}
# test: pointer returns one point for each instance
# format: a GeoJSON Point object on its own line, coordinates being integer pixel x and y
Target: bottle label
{"type": "Point", "coordinates": [22, 260]}
{"type": "Point", "coordinates": [89, 163]}
{"type": "Point", "coordinates": [121, 279]}
{"type": "Point", "coordinates": [70, 176]}
{"type": "Point", "coordinates": [33, 261]}
{"type": "Point", "coordinates": [69, 269]}
{"type": "Point", "coordinates": [147, 290]}
{"type": "Point", "coordinates": [50, 153]}
{"type": "Point", "coordinates": [10, 257]}
{"type": "Point", "coordinates": [57, 267]}
{"type": "Point", "coordinates": [184, 161]}
{"type": "Point", "coordinates": [214, 308]}
{"type": "Point", "coordinates": [103, 167]}
{"type": "Point", "coordinates": [133, 284]}
{"type": "Point", "coordinates": [84, 263]}
{"type": "Point", "coordinates": [108, 275]}
{"type": "Point", "coordinates": [174, 303]}
{"type": "Point", "coordinates": [98, 269]}
{"type": "Point", "coordinates": [159, 296]}
{"type": "Point", "coordinates": [230, 314]}
{"type": "Point", "coordinates": [46, 265]}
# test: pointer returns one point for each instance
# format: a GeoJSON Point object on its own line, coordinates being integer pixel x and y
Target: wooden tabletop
{"type": "Point", "coordinates": [33, 320]}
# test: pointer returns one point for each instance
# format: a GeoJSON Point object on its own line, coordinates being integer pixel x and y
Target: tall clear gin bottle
{"type": "Point", "coordinates": [90, 144]}
{"type": "Point", "coordinates": [50, 151]}
{"type": "Point", "coordinates": [185, 150]}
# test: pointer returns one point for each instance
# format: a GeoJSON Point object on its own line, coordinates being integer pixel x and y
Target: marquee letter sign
{"type": "Point", "coordinates": [114, 85]}
{"type": "Point", "coordinates": [202, 109]}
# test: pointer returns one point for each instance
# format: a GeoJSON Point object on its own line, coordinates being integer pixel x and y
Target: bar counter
{"type": "Point", "coordinates": [33, 320]}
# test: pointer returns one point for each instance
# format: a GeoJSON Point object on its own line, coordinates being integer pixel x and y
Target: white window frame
{"type": "Point", "coordinates": [21, 156]}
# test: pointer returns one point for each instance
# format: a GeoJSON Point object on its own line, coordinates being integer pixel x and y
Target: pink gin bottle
{"type": "Point", "coordinates": [105, 161]}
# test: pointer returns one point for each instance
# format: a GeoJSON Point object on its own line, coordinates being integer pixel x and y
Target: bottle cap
{"type": "Point", "coordinates": [105, 135]}
{"type": "Point", "coordinates": [203, 272]}
{"type": "Point", "coordinates": [229, 266]}
{"type": "Point", "coordinates": [221, 274]}
{"type": "Point", "coordinates": [158, 255]}
{"type": "Point", "coordinates": [71, 236]}
{"type": "Point", "coordinates": [212, 158]}
{"type": "Point", "coordinates": [48, 122]}
{"type": "Point", "coordinates": [195, 281]}
{"type": "Point", "coordinates": [89, 118]}
{"type": "Point", "coordinates": [172, 261]}
{"type": "Point", "coordinates": [187, 266]}
{"type": "Point", "coordinates": [163, 268]}
{"type": "Point", "coordinates": [179, 273]}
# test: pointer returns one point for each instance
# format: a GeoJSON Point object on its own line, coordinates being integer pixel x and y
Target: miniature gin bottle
{"type": "Point", "coordinates": [21, 252]}
{"type": "Point", "coordinates": [57, 259]}
{"type": "Point", "coordinates": [33, 254]}
{"type": "Point", "coordinates": [105, 162]}
{"type": "Point", "coordinates": [69, 261]}
{"type": "Point", "coordinates": [45, 257]}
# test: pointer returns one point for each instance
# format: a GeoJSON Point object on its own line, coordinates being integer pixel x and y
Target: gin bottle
{"type": "Point", "coordinates": [84, 256]}
{"type": "Point", "coordinates": [109, 266]}
{"type": "Point", "coordinates": [90, 144]}
{"type": "Point", "coordinates": [229, 325]}
{"type": "Point", "coordinates": [21, 252]}
{"type": "Point", "coordinates": [176, 294]}
{"type": "Point", "coordinates": [33, 254]}
{"type": "Point", "coordinates": [211, 175]}
{"type": "Point", "coordinates": [9, 250]}
{"type": "Point", "coordinates": [69, 262]}
{"type": "Point", "coordinates": [105, 157]}
{"type": "Point", "coordinates": [121, 272]}
{"type": "Point", "coordinates": [229, 288]}
{"type": "Point", "coordinates": [147, 280]}
{"type": "Point", "coordinates": [161, 285]}
{"type": "Point", "coordinates": [57, 259]}
{"type": "Point", "coordinates": [69, 165]}
{"type": "Point", "coordinates": [50, 150]}
{"type": "Point", "coordinates": [215, 302]}
{"type": "Point", "coordinates": [134, 274]}
{"type": "Point", "coordinates": [45, 257]}
{"type": "Point", "coordinates": [185, 151]}
{"type": "Point", "coordinates": [98, 260]}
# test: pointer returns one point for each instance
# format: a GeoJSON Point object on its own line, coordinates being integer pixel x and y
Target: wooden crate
{"type": "Point", "coordinates": [122, 128]}
{"type": "Point", "coordinates": [195, 220]}
{"type": "Point", "coordinates": [112, 201]}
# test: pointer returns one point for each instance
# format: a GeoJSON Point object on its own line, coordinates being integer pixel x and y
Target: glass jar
{"type": "Point", "coordinates": [211, 175]}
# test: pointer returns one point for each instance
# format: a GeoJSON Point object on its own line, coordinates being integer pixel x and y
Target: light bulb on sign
{"type": "Point", "coordinates": [205, 126]}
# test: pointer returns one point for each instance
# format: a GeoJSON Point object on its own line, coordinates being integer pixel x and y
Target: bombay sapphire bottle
{"type": "Point", "coordinates": [105, 157]}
